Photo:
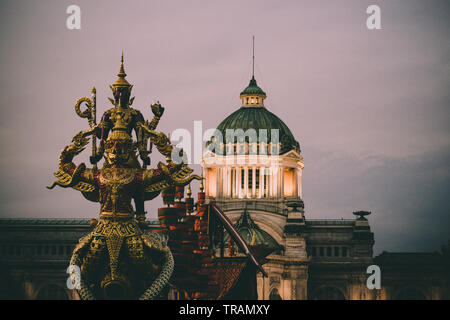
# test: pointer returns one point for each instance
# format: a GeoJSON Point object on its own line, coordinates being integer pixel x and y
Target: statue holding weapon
{"type": "Point", "coordinates": [128, 118]}
{"type": "Point", "coordinates": [117, 259]}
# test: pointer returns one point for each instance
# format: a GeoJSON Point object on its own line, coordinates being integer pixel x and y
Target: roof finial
{"type": "Point", "coordinates": [253, 66]}
{"type": "Point", "coordinates": [201, 181]}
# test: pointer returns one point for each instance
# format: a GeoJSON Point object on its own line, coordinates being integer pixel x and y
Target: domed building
{"type": "Point", "coordinates": [253, 166]}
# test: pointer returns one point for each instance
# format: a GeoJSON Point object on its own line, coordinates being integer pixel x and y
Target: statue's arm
{"type": "Point", "coordinates": [159, 139]}
{"type": "Point", "coordinates": [69, 152]}
{"type": "Point", "coordinates": [167, 176]}
{"type": "Point", "coordinates": [71, 175]}
{"type": "Point", "coordinates": [141, 139]}
{"type": "Point", "coordinates": [150, 176]}
{"type": "Point", "coordinates": [104, 126]}
{"type": "Point", "coordinates": [143, 134]}
{"type": "Point", "coordinates": [158, 111]}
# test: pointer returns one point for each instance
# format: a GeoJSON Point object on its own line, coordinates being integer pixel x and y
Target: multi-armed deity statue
{"type": "Point", "coordinates": [117, 259]}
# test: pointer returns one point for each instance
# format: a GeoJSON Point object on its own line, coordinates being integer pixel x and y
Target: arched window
{"type": "Point", "coordinates": [328, 293]}
{"type": "Point", "coordinates": [52, 292]}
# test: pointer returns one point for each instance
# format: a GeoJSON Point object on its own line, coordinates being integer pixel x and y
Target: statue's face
{"type": "Point", "coordinates": [123, 94]}
{"type": "Point", "coordinates": [118, 151]}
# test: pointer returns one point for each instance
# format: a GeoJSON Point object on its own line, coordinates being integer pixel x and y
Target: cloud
{"type": "Point", "coordinates": [408, 196]}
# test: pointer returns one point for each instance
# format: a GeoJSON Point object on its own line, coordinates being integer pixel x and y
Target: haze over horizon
{"type": "Point", "coordinates": [370, 108]}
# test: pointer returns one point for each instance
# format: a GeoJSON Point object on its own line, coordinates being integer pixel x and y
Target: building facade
{"type": "Point", "coordinates": [253, 164]}
{"type": "Point", "coordinates": [35, 254]}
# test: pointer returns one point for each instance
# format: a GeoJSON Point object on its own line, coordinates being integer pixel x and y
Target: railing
{"type": "Point", "coordinates": [327, 222]}
{"type": "Point", "coordinates": [261, 205]}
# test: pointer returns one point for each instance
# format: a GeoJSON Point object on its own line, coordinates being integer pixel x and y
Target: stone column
{"type": "Point", "coordinates": [295, 182]}
{"type": "Point", "coordinates": [236, 195]}
{"type": "Point", "coordinates": [270, 180]}
{"type": "Point", "coordinates": [218, 183]}
{"type": "Point", "coordinates": [266, 182]}
{"type": "Point", "coordinates": [275, 171]}
{"type": "Point", "coordinates": [261, 182]}
{"type": "Point", "coordinates": [238, 182]}
{"type": "Point", "coordinates": [225, 182]}
{"type": "Point", "coordinates": [229, 186]}
{"type": "Point", "coordinates": [254, 181]}
{"type": "Point", "coordinates": [207, 181]}
{"type": "Point", "coordinates": [299, 183]}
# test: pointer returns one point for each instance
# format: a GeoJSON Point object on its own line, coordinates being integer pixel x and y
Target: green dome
{"type": "Point", "coordinates": [253, 88]}
{"type": "Point", "coordinates": [253, 115]}
{"type": "Point", "coordinates": [261, 243]}
{"type": "Point", "coordinates": [258, 118]}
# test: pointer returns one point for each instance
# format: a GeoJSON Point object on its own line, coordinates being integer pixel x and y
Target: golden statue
{"type": "Point", "coordinates": [117, 259]}
{"type": "Point", "coordinates": [124, 116]}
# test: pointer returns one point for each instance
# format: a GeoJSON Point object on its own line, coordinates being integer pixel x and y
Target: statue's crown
{"type": "Point", "coordinates": [121, 81]}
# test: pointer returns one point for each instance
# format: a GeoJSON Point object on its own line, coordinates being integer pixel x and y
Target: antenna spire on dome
{"type": "Point", "coordinates": [253, 96]}
{"type": "Point", "coordinates": [253, 65]}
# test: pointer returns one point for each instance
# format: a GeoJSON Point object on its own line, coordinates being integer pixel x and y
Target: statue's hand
{"type": "Point", "coordinates": [146, 161]}
{"type": "Point", "coordinates": [80, 140]}
{"type": "Point", "coordinates": [95, 159]}
{"type": "Point", "coordinates": [141, 221]}
{"type": "Point", "coordinates": [162, 143]}
{"type": "Point", "coordinates": [157, 109]}
{"type": "Point", "coordinates": [170, 173]}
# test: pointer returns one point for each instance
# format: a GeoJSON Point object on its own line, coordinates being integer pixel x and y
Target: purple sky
{"type": "Point", "coordinates": [369, 108]}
